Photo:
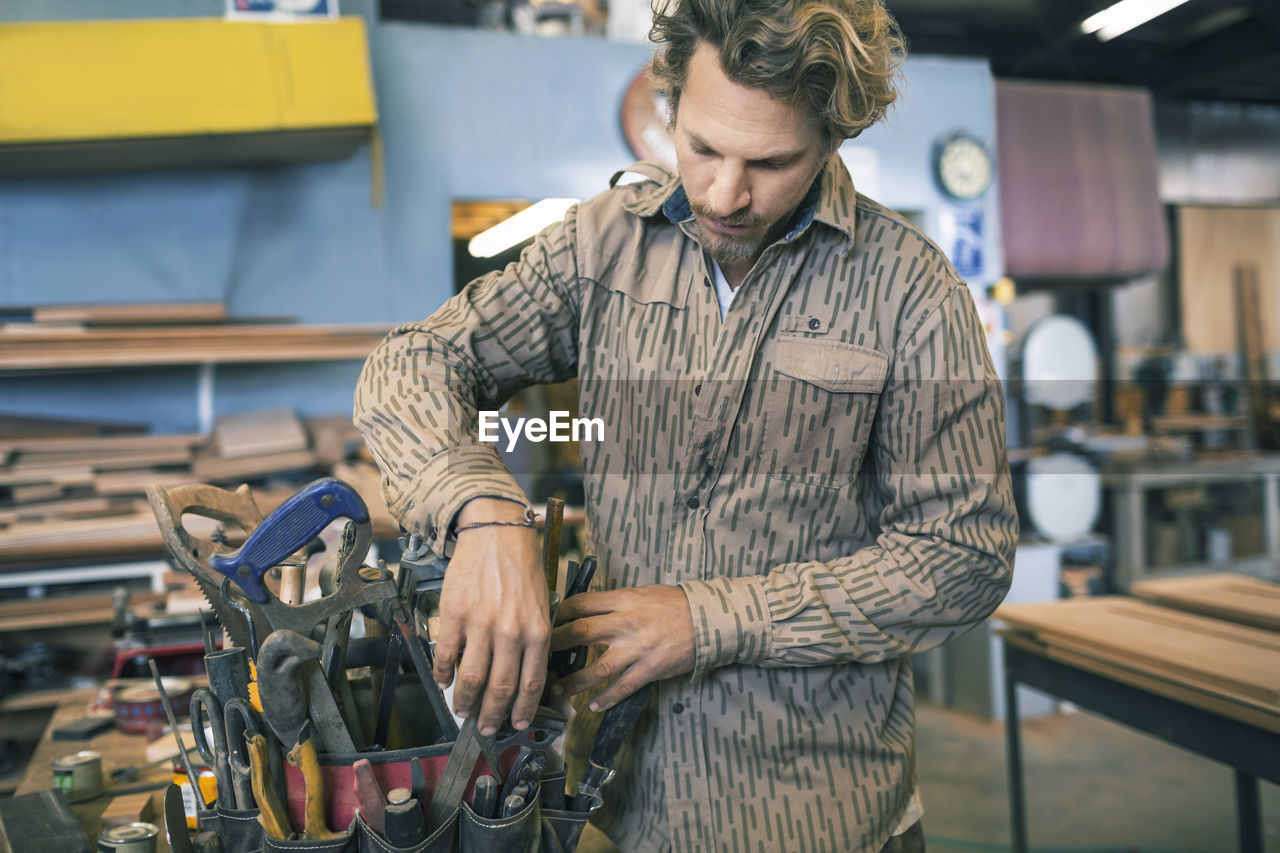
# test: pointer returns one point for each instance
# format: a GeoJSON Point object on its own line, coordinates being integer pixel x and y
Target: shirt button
{"type": "Point", "coordinates": [815, 324]}
{"type": "Point", "coordinates": [693, 503]}
{"type": "Point", "coordinates": [706, 282]}
{"type": "Point", "coordinates": [677, 708]}
{"type": "Point", "coordinates": [697, 389]}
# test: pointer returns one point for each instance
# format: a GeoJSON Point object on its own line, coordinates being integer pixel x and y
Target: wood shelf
{"type": "Point", "coordinates": [78, 348]}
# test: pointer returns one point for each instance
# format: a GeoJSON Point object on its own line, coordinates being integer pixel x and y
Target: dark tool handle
{"type": "Point", "coordinates": [484, 797]}
{"type": "Point", "coordinates": [404, 823]}
{"type": "Point", "coordinates": [613, 732]}
{"type": "Point", "coordinates": [228, 671]}
{"type": "Point", "coordinates": [291, 526]}
{"type": "Point", "coordinates": [616, 727]}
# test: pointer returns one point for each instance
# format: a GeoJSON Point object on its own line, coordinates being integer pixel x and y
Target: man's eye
{"type": "Point", "coordinates": [774, 164]}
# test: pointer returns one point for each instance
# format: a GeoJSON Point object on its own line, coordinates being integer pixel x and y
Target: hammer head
{"type": "Point", "coordinates": [284, 700]}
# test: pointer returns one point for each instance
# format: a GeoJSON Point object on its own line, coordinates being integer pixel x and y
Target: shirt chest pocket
{"type": "Point", "coordinates": [819, 407]}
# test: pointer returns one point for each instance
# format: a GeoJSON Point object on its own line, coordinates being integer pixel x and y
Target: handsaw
{"type": "Point", "coordinates": [191, 552]}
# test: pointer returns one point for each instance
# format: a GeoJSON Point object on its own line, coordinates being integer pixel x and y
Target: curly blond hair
{"type": "Point", "coordinates": [839, 58]}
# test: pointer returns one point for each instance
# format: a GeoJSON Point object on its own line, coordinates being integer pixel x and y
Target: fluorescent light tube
{"type": "Point", "coordinates": [1125, 15]}
{"type": "Point", "coordinates": [520, 227]}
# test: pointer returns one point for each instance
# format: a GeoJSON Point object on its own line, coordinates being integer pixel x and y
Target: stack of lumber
{"type": "Point", "coordinates": [1212, 663]}
{"type": "Point", "coordinates": [83, 498]}
{"type": "Point", "coordinates": [1223, 595]}
{"type": "Point", "coordinates": [167, 333]}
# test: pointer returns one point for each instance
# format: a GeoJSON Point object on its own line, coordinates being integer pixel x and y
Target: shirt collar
{"type": "Point", "coordinates": [831, 200]}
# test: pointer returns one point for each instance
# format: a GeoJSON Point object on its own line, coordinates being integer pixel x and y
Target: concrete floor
{"type": "Point", "coordinates": [1091, 785]}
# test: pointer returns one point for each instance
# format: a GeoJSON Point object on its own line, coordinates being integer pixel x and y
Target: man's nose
{"type": "Point", "coordinates": [729, 191]}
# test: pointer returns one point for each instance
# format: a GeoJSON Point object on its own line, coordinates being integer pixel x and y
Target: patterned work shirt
{"type": "Point", "coordinates": [823, 472]}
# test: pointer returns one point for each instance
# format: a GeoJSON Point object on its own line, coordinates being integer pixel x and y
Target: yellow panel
{"type": "Point", "coordinates": [148, 78]}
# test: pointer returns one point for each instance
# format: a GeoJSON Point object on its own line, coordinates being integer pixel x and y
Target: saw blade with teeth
{"type": "Point", "coordinates": [191, 553]}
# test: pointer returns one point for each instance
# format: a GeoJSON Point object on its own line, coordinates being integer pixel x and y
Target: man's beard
{"type": "Point", "coordinates": [725, 248]}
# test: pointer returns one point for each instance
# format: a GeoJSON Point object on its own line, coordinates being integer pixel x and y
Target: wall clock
{"type": "Point", "coordinates": [962, 166]}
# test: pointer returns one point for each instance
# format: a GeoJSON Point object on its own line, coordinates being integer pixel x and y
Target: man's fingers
{"type": "Point", "coordinates": [626, 684]}
{"type": "Point", "coordinates": [587, 604]}
{"type": "Point", "coordinates": [504, 679]}
{"type": "Point", "coordinates": [446, 656]}
{"type": "Point", "coordinates": [589, 631]}
{"type": "Point", "coordinates": [606, 667]}
{"type": "Point", "coordinates": [533, 675]}
{"type": "Point", "coordinates": [473, 671]}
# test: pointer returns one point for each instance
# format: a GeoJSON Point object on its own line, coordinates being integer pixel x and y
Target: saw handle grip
{"type": "Point", "coordinates": [286, 530]}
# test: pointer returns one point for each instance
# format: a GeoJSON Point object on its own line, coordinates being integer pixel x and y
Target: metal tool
{"type": "Point", "coordinates": [206, 722]}
{"type": "Point", "coordinates": [243, 724]}
{"type": "Point", "coordinates": [271, 814]}
{"type": "Point", "coordinates": [404, 826]}
{"type": "Point", "coordinates": [614, 729]}
{"type": "Point", "coordinates": [387, 695]}
{"type": "Point", "coordinates": [568, 661]}
{"type": "Point", "coordinates": [513, 805]}
{"type": "Point", "coordinates": [369, 795]}
{"type": "Point", "coordinates": [228, 671]}
{"type": "Point", "coordinates": [484, 795]}
{"type": "Point", "coordinates": [191, 552]}
{"type": "Point", "coordinates": [293, 524]}
{"type": "Point", "coordinates": [293, 687]}
{"type": "Point", "coordinates": [175, 820]}
{"type": "Point", "coordinates": [177, 736]}
{"type": "Point", "coordinates": [457, 773]}
{"type": "Point", "coordinates": [303, 756]}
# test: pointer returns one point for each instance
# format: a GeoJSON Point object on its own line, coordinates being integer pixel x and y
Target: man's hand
{"type": "Point", "coordinates": [649, 632]}
{"type": "Point", "coordinates": [494, 601]}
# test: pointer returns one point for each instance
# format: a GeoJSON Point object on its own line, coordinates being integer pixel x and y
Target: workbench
{"type": "Point", "coordinates": [1206, 684]}
{"type": "Point", "coordinates": [118, 750]}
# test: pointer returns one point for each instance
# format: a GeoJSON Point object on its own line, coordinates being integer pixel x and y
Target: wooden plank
{"type": "Point", "coordinates": [99, 443]}
{"type": "Point", "coordinates": [96, 461]}
{"type": "Point", "coordinates": [128, 534]}
{"type": "Point", "coordinates": [1179, 645]}
{"type": "Point", "coordinates": [1214, 701]}
{"type": "Point", "coordinates": [1233, 597]}
{"type": "Point", "coordinates": [259, 433]}
{"type": "Point", "coordinates": [132, 314]}
{"type": "Point", "coordinates": [71, 508]}
{"type": "Point", "coordinates": [24, 426]}
{"type": "Point", "coordinates": [215, 469]}
{"type": "Point", "coordinates": [121, 483]}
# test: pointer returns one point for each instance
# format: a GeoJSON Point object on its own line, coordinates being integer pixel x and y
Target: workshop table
{"type": "Point", "coordinates": [1216, 714]}
{"type": "Point", "coordinates": [118, 749]}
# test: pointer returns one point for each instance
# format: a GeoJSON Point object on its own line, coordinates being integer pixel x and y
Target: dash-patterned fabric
{"type": "Point", "coordinates": [823, 472]}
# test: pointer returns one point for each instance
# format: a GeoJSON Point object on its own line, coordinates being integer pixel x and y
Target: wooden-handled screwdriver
{"type": "Point", "coordinates": [551, 541]}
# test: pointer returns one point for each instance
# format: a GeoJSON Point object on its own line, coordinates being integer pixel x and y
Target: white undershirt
{"type": "Point", "coordinates": [724, 295]}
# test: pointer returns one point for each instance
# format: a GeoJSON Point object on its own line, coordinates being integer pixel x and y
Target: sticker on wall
{"type": "Point", "coordinates": [962, 229]}
{"type": "Point", "coordinates": [282, 9]}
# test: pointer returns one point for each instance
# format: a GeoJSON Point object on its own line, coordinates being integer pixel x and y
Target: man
{"type": "Point", "coordinates": [803, 478]}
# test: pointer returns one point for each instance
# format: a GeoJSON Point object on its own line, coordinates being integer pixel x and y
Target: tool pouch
{"type": "Point", "coordinates": [343, 844]}
{"type": "Point", "coordinates": [518, 833]}
{"type": "Point", "coordinates": [238, 829]}
{"type": "Point", "coordinates": [443, 840]}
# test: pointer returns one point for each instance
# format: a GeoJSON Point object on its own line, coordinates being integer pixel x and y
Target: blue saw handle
{"type": "Point", "coordinates": [293, 524]}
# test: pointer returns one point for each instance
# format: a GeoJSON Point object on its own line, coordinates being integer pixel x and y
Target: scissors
{"type": "Point", "coordinates": [230, 726]}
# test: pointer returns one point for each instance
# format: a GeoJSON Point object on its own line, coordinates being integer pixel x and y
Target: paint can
{"type": "Point", "coordinates": [78, 776]}
{"type": "Point", "coordinates": [129, 838]}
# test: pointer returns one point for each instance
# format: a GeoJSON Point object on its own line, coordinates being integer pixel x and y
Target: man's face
{"type": "Point", "coordinates": [746, 160]}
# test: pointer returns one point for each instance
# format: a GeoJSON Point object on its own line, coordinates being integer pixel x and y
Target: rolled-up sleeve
{"type": "Point", "coordinates": [420, 392]}
{"type": "Point", "coordinates": [935, 486]}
